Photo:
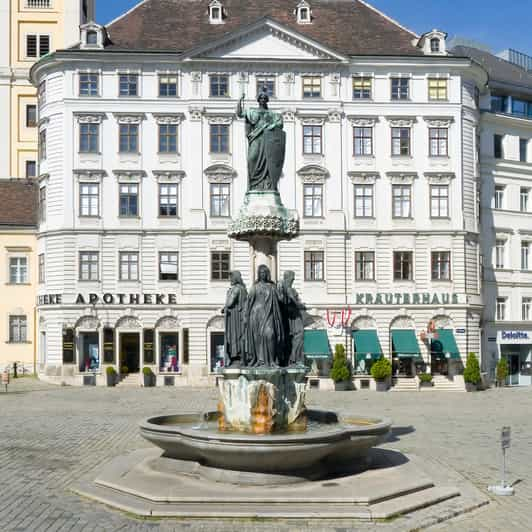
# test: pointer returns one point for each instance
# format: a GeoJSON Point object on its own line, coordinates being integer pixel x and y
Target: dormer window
{"type": "Point", "coordinates": [216, 12]}
{"type": "Point", "coordinates": [435, 45]}
{"type": "Point", "coordinates": [304, 15]}
{"type": "Point", "coordinates": [92, 36]}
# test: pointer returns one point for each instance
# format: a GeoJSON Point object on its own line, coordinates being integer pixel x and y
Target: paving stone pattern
{"type": "Point", "coordinates": [50, 437]}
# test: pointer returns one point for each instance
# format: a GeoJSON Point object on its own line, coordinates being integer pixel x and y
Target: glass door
{"type": "Point", "coordinates": [513, 370]}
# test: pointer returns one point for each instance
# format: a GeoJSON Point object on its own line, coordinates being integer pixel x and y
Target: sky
{"type": "Point", "coordinates": [484, 21]}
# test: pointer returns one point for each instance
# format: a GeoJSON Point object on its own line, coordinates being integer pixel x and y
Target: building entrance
{"type": "Point", "coordinates": [130, 352]}
{"type": "Point", "coordinates": [513, 369]}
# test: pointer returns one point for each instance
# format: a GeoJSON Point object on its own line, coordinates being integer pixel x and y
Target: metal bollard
{"type": "Point", "coordinates": [15, 375]}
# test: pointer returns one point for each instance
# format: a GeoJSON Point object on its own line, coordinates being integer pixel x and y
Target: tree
{"type": "Point", "coordinates": [502, 371]}
{"type": "Point", "coordinates": [340, 370]}
{"type": "Point", "coordinates": [472, 369]}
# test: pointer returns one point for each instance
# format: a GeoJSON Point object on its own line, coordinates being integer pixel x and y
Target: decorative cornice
{"type": "Point", "coordinates": [129, 175]}
{"type": "Point", "coordinates": [168, 176]}
{"type": "Point", "coordinates": [313, 173]}
{"type": "Point", "coordinates": [129, 118]}
{"type": "Point", "coordinates": [439, 178]}
{"type": "Point", "coordinates": [363, 121]}
{"type": "Point", "coordinates": [438, 121]}
{"type": "Point", "coordinates": [90, 118]}
{"type": "Point", "coordinates": [402, 178]}
{"type": "Point", "coordinates": [363, 178]}
{"type": "Point", "coordinates": [89, 175]}
{"type": "Point", "coordinates": [168, 118]}
{"type": "Point", "coordinates": [401, 121]}
{"type": "Point", "coordinates": [220, 118]}
{"type": "Point", "coordinates": [220, 173]}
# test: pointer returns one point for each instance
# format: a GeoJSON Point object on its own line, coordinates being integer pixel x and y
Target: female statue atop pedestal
{"type": "Point", "coordinates": [267, 142]}
{"type": "Point", "coordinates": [264, 321]}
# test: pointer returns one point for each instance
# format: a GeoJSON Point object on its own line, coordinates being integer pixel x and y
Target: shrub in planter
{"type": "Point", "coordinates": [340, 371]}
{"type": "Point", "coordinates": [381, 370]}
{"type": "Point", "coordinates": [111, 375]}
{"type": "Point", "coordinates": [472, 371]}
{"type": "Point", "coordinates": [124, 370]}
{"type": "Point", "coordinates": [425, 379]}
{"type": "Point", "coordinates": [502, 371]}
{"type": "Point", "coordinates": [149, 377]}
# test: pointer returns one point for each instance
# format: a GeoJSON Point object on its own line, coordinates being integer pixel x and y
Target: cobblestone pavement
{"type": "Point", "coordinates": [52, 436]}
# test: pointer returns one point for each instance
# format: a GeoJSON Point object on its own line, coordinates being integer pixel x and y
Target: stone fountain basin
{"type": "Point", "coordinates": [328, 442]}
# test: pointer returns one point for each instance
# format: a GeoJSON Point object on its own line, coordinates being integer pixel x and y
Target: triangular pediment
{"type": "Point", "coordinates": [266, 39]}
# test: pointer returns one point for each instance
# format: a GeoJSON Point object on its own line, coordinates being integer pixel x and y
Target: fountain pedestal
{"type": "Point", "coordinates": [262, 400]}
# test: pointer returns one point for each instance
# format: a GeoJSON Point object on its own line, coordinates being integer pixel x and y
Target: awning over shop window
{"type": "Point", "coordinates": [367, 342]}
{"type": "Point", "coordinates": [316, 344]}
{"type": "Point", "coordinates": [405, 344]}
{"type": "Point", "coordinates": [445, 343]}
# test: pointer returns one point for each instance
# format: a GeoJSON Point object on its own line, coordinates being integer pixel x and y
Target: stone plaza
{"type": "Point", "coordinates": [53, 437]}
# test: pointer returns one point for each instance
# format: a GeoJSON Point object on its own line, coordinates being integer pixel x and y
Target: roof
{"type": "Point", "coordinates": [499, 70]}
{"type": "Point", "coordinates": [350, 27]}
{"type": "Point", "coordinates": [18, 205]}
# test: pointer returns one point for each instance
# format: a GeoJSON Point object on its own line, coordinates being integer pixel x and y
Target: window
{"type": "Point", "coordinates": [501, 309]}
{"type": "Point", "coordinates": [497, 147]}
{"type": "Point", "coordinates": [31, 115]}
{"type": "Point", "coordinates": [526, 306]}
{"type": "Point", "coordinates": [18, 270]}
{"type": "Point", "coordinates": [435, 45]}
{"type": "Point", "coordinates": [42, 204]}
{"type": "Point", "coordinates": [219, 85]}
{"type": "Point", "coordinates": [219, 138]}
{"type": "Point", "coordinates": [215, 12]}
{"type": "Point", "coordinates": [168, 199]}
{"type": "Point", "coordinates": [268, 83]}
{"type": "Point", "coordinates": [314, 265]}
{"type": "Point", "coordinates": [303, 14]}
{"type": "Point", "coordinates": [312, 201]}
{"type": "Point", "coordinates": [169, 358]}
{"type": "Point", "coordinates": [89, 138]}
{"type": "Point", "coordinates": [402, 201]}
{"type": "Point", "coordinates": [88, 84]}
{"type": "Point", "coordinates": [37, 45]}
{"type": "Point", "coordinates": [129, 199]}
{"type": "Point", "coordinates": [365, 265]}
{"type": "Point", "coordinates": [167, 86]}
{"type": "Point", "coordinates": [500, 253]}
{"type": "Point", "coordinates": [525, 254]}
{"type": "Point", "coordinates": [42, 145]}
{"type": "Point", "coordinates": [439, 201]}
{"type": "Point", "coordinates": [168, 266]}
{"type": "Point", "coordinates": [220, 200]}
{"type": "Point", "coordinates": [167, 138]}
{"type": "Point", "coordinates": [499, 104]}
{"type": "Point", "coordinates": [92, 38]}
{"type": "Point", "coordinates": [361, 88]}
{"type": "Point", "coordinates": [524, 194]}
{"type": "Point", "coordinates": [41, 269]}
{"type": "Point", "coordinates": [523, 150]}
{"type": "Point", "coordinates": [402, 265]}
{"type": "Point", "coordinates": [129, 138]}
{"type": "Point", "coordinates": [18, 327]}
{"type": "Point", "coordinates": [39, 4]}
{"type": "Point", "coordinates": [311, 87]}
{"type": "Point", "coordinates": [89, 199]}
{"type": "Point", "coordinates": [400, 88]}
{"type": "Point", "coordinates": [364, 201]}
{"type": "Point", "coordinates": [129, 266]}
{"type": "Point", "coordinates": [31, 169]}
{"type": "Point", "coordinates": [88, 266]}
{"type": "Point", "coordinates": [41, 93]}
{"type": "Point", "coordinates": [438, 141]}
{"type": "Point", "coordinates": [312, 139]}
{"type": "Point", "coordinates": [128, 85]}
{"type": "Point", "coordinates": [362, 141]}
{"type": "Point", "coordinates": [220, 265]}
{"type": "Point", "coordinates": [400, 141]}
{"type": "Point", "coordinates": [441, 265]}
{"type": "Point", "coordinates": [437, 89]}
{"type": "Point", "coordinates": [498, 201]}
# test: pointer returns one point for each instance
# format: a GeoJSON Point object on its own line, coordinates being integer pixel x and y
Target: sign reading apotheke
{"type": "Point", "coordinates": [514, 337]}
{"type": "Point", "coordinates": [401, 298]}
{"type": "Point", "coordinates": [110, 299]}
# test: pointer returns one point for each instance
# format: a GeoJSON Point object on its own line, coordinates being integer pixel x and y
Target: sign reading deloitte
{"type": "Point", "coordinates": [514, 337]}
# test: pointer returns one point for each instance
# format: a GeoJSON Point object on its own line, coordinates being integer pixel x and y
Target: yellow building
{"type": "Point", "coordinates": [20, 271]}
{"type": "Point", "coordinates": [29, 29]}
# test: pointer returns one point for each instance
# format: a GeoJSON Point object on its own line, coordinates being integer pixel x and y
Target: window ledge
{"type": "Point", "coordinates": [18, 343]}
{"type": "Point", "coordinates": [18, 284]}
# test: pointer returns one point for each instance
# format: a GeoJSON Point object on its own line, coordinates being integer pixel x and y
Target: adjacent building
{"type": "Point", "coordinates": [143, 164]}
{"type": "Point", "coordinates": [29, 29]}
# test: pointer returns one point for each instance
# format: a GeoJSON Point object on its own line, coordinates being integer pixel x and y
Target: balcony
{"type": "Point", "coordinates": [38, 4]}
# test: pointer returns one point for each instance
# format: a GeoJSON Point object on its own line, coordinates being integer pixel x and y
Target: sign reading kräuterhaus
{"type": "Point", "coordinates": [405, 298]}
{"type": "Point", "coordinates": [109, 299]}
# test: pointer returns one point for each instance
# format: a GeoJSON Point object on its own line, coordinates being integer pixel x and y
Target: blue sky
{"type": "Point", "coordinates": [487, 21]}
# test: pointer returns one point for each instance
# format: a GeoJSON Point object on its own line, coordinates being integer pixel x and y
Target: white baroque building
{"type": "Point", "coordinates": [143, 164]}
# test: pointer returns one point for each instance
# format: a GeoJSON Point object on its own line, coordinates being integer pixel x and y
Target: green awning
{"type": "Point", "coordinates": [316, 344]}
{"type": "Point", "coordinates": [367, 341]}
{"type": "Point", "coordinates": [445, 343]}
{"type": "Point", "coordinates": [405, 344]}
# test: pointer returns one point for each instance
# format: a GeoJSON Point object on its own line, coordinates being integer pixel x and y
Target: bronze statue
{"type": "Point", "coordinates": [264, 322]}
{"type": "Point", "coordinates": [267, 144]}
{"type": "Point", "coordinates": [234, 316]}
{"type": "Point", "coordinates": [293, 314]}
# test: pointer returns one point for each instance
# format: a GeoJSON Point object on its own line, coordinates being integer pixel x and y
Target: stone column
{"type": "Point", "coordinates": [264, 252]}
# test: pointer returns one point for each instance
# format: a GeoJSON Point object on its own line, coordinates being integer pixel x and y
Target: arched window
{"type": "Point", "coordinates": [304, 15]}
{"type": "Point", "coordinates": [215, 12]}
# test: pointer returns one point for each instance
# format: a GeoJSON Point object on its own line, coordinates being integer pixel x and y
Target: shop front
{"type": "Point", "coordinates": [406, 354]}
{"type": "Point", "coordinates": [443, 352]}
{"type": "Point", "coordinates": [366, 349]}
{"type": "Point", "coordinates": [317, 353]}
{"type": "Point", "coordinates": [516, 348]}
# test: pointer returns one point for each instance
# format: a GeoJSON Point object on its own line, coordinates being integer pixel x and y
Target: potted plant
{"type": "Point", "coordinates": [425, 380]}
{"type": "Point", "coordinates": [381, 371]}
{"type": "Point", "coordinates": [340, 371]}
{"type": "Point", "coordinates": [111, 375]}
{"type": "Point", "coordinates": [149, 376]}
{"type": "Point", "coordinates": [502, 372]}
{"type": "Point", "coordinates": [124, 370]}
{"type": "Point", "coordinates": [472, 373]}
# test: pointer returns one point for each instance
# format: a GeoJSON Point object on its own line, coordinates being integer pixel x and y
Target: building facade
{"type": "Point", "coordinates": [29, 29]}
{"type": "Point", "coordinates": [18, 274]}
{"type": "Point", "coordinates": [143, 164]}
{"type": "Point", "coordinates": [506, 214]}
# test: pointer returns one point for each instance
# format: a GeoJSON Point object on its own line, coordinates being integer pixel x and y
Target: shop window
{"type": "Point", "coordinates": [68, 346]}
{"type": "Point", "coordinates": [168, 352]}
{"type": "Point", "coordinates": [109, 346]}
{"type": "Point", "coordinates": [217, 351]}
{"type": "Point", "coordinates": [149, 353]}
{"type": "Point", "coordinates": [89, 352]}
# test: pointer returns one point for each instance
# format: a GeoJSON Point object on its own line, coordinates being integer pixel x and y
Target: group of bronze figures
{"type": "Point", "coordinates": [264, 327]}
